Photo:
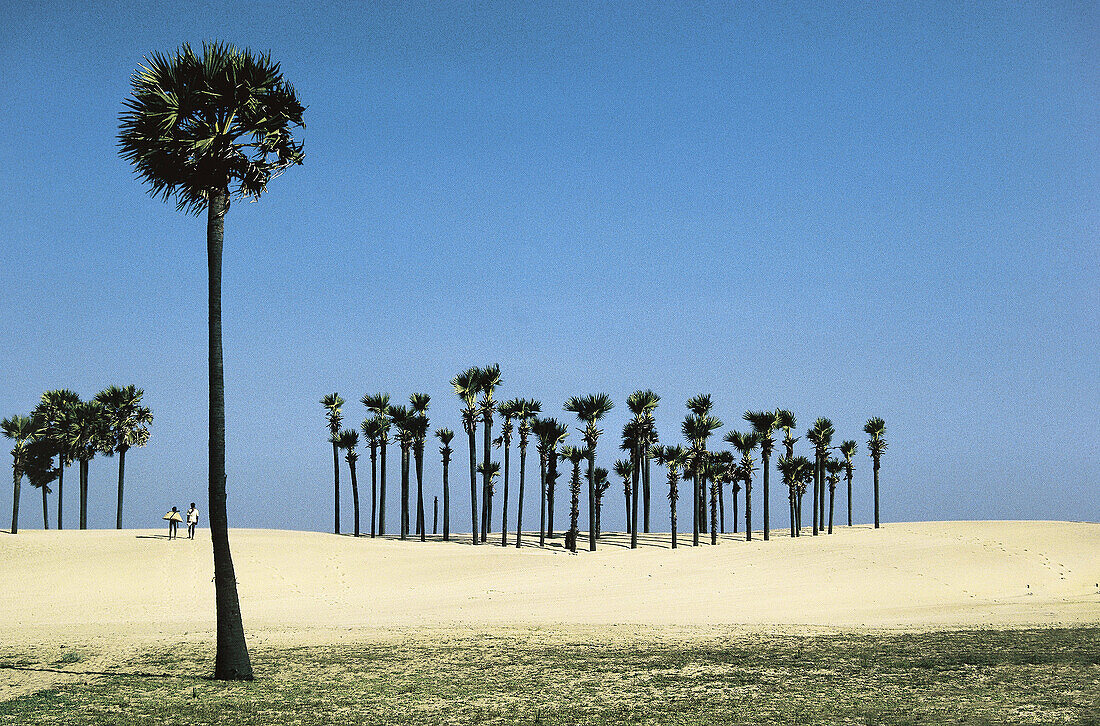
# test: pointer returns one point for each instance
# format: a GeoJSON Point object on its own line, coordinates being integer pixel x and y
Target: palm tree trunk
{"type": "Point", "coordinates": [849, 498]}
{"type": "Point", "coordinates": [552, 478]}
{"type": "Point", "coordinates": [721, 510]}
{"type": "Point", "coordinates": [471, 434]}
{"type": "Point", "coordinates": [735, 511]}
{"type": "Point", "coordinates": [767, 517]}
{"type": "Point", "coordinates": [519, 503]}
{"type": "Point", "coordinates": [635, 481]}
{"type": "Point", "coordinates": [61, 487]}
{"type": "Point", "coordinates": [672, 509]}
{"type": "Point", "coordinates": [645, 492]}
{"type": "Point", "coordinates": [748, 509]}
{"type": "Point", "coordinates": [232, 661]}
{"type": "Point", "coordinates": [542, 501]}
{"type": "Point", "coordinates": [876, 491]}
{"type": "Point", "coordinates": [354, 497]}
{"type": "Point", "coordinates": [713, 514]}
{"type": "Point", "coordinates": [832, 496]}
{"type": "Point", "coordinates": [420, 524]}
{"type": "Point", "coordinates": [121, 475]}
{"type": "Point", "coordinates": [446, 501]}
{"type": "Point", "coordinates": [382, 489]}
{"type": "Point", "coordinates": [504, 508]}
{"type": "Point", "coordinates": [373, 487]}
{"type": "Point", "coordinates": [626, 508]}
{"type": "Point", "coordinates": [15, 501]}
{"type": "Point", "coordinates": [821, 493]}
{"type": "Point", "coordinates": [435, 515]}
{"type": "Point", "coordinates": [486, 496]}
{"type": "Point", "coordinates": [45, 510]}
{"type": "Point", "coordinates": [336, 480]}
{"type": "Point", "coordinates": [794, 526]}
{"type": "Point", "coordinates": [813, 496]}
{"type": "Point", "coordinates": [84, 494]}
{"type": "Point", "coordinates": [592, 500]}
{"type": "Point", "coordinates": [404, 492]}
{"type": "Point", "coordinates": [695, 509]}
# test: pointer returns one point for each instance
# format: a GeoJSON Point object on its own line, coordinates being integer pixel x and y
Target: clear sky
{"type": "Point", "coordinates": [858, 210]}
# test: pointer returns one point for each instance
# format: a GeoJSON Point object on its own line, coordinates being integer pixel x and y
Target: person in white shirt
{"type": "Point", "coordinates": [192, 520]}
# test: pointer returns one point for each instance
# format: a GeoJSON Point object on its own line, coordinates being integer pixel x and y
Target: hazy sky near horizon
{"type": "Point", "coordinates": [851, 210]}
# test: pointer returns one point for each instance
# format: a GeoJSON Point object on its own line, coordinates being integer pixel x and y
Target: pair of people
{"type": "Point", "coordinates": [174, 518]}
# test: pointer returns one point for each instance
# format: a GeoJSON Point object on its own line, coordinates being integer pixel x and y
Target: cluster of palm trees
{"type": "Point", "coordinates": [711, 472]}
{"type": "Point", "coordinates": [62, 430]}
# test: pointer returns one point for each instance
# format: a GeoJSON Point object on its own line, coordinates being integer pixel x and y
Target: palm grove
{"type": "Point", "coordinates": [698, 463]}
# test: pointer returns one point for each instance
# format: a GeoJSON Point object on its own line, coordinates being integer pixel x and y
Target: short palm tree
{"type": "Point", "coordinates": [418, 403]}
{"type": "Point", "coordinates": [875, 428]}
{"type": "Point", "coordinates": [54, 408]}
{"type": "Point", "coordinates": [202, 127]}
{"type": "Point", "coordinates": [85, 436]}
{"type": "Point", "coordinates": [372, 431]}
{"type": "Point", "coordinates": [379, 405]}
{"type": "Point", "coordinates": [805, 478]}
{"type": "Point", "coordinates": [348, 440]}
{"type": "Point", "coordinates": [332, 404]}
{"type": "Point", "coordinates": [701, 405]}
{"type": "Point", "coordinates": [551, 434]}
{"type": "Point", "coordinates": [466, 386]}
{"type": "Point", "coordinates": [575, 455]}
{"type": "Point", "coordinates": [40, 470]}
{"type": "Point", "coordinates": [624, 468]}
{"type": "Point", "coordinates": [488, 382]}
{"type": "Point", "coordinates": [23, 432]}
{"type": "Point", "coordinates": [672, 458]}
{"type": "Point", "coordinates": [763, 424]}
{"type": "Point", "coordinates": [602, 483]}
{"type": "Point", "coordinates": [631, 443]}
{"type": "Point", "coordinates": [714, 473]}
{"type": "Point", "coordinates": [788, 468]}
{"type": "Point", "coordinates": [445, 437]}
{"type": "Point", "coordinates": [745, 443]}
{"type": "Point", "coordinates": [489, 472]}
{"type": "Point", "coordinates": [590, 409]}
{"type": "Point", "coordinates": [697, 428]}
{"type": "Point", "coordinates": [508, 409]}
{"type": "Point", "coordinates": [833, 468]}
{"type": "Point", "coordinates": [525, 413]}
{"type": "Point", "coordinates": [848, 451]}
{"type": "Point", "coordinates": [127, 424]}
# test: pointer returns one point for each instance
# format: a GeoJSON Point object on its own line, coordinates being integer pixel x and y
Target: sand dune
{"type": "Point", "coordinates": [921, 575]}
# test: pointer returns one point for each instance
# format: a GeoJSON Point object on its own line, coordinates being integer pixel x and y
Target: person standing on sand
{"type": "Point", "coordinates": [192, 521]}
{"type": "Point", "coordinates": [174, 520]}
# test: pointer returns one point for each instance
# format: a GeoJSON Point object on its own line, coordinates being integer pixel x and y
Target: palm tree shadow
{"type": "Point", "coordinates": [131, 674]}
{"type": "Point", "coordinates": [152, 536]}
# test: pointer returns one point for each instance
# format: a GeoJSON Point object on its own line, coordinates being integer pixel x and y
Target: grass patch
{"type": "Point", "coordinates": [970, 677]}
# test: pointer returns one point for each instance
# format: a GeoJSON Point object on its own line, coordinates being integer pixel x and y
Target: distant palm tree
{"type": "Point", "coordinates": [788, 468]}
{"type": "Point", "coordinates": [332, 404]}
{"type": "Point", "coordinates": [820, 435]}
{"type": "Point", "coordinates": [526, 413]}
{"type": "Point", "coordinates": [832, 469]}
{"type": "Point", "coordinates": [403, 422]}
{"type": "Point", "coordinates": [557, 433]}
{"type": "Point", "coordinates": [805, 477]}
{"type": "Point", "coordinates": [625, 469]}
{"type": "Point", "coordinates": [701, 405]}
{"type": "Point", "coordinates": [85, 436]}
{"type": "Point", "coordinates": [508, 409]}
{"type": "Point", "coordinates": [848, 450]}
{"type": "Point", "coordinates": [445, 436]}
{"type": "Point", "coordinates": [347, 440]}
{"type": "Point", "coordinates": [200, 128]}
{"type": "Point", "coordinates": [466, 385]}
{"type": "Point", "coordinates": [602, 483]}
{"type": "Point", "coordinates": [23, 431]}
{"type": "Point", "coordinates": [575, 455]}
{"type": "Point", "coordinates": [697, 428]}
{"type": "Point", "coordinates": [418, 402]}
{"type": "Point", "coordinates": [54, 409]}
{"type": "Point", "coordinates": [763, 424]}
{"type": "Point", "coordinates": [672, 458]}
{"type": "Point", "coordinates": [876, 445]}
{"type": "Point", "coordinates": [489, 473]}
{"type": "Point", "coordinates": [715, 474]}
{"type": "Point", "coordinates": [590, 409]}
{"type": "Point", "coordinates": [379, 405]}
{"type": "Point", "coordinates": [488, 382]}
{"type": "Point", "coordinates": [40, 470]}
{"type": "Point", "coordinates": [127, 423]}
{"type": "Point", "coordinates": [642, 404]}
{"type": "Point", "coordinates": [745, 443]}
{"type": "Point", "coordinates": [631, 443]}
{"type": "Point", "coordinates": [372, 430]}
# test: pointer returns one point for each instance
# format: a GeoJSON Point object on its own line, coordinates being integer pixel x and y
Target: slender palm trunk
{"type": "Point", "coordinates": [435, 515]}
{"type": "Point", "coordinates": [713, 513]}
{"type": "Point", "coordinates": [821, 494]}
{"type": "Point", "coordinates": [45, 510]}
{"type": "Point", "coordinates": [61, 488]}
{"type": "Point", "coordinates": [15, 501]}
{"type": "Point", "coordinates": [552, 480]}
{"type": "Point", "coordinates": [599, 509]}
{"type": "Point", "coordinates": [748, 509]}
{"type": "Point", "coordinates": [336, 480]}
{"type": "Point", "coordinates": [504, 504]}
{"type": "Point", "coordinates": [84, 493]}
{"type": "Point", "coordinates": [798, 514]}
{"type": "Point", "coordinates": [404, 529]}
{"type": "Point", "coordinates": [635, 482]}
{"type": "Point", "coordinates": [674, 496]}
{"type": "Point", "coordinates": [354, 497]}
{"type": "Point", "coordinates": [446, 500]}
{"type": "Point", "coordinates": [876, 492]}
{"type": "Point", "coordinates": [519, 502]}
{"type": "Point", "coordinates": [849, 497]}
{"type": "Point", "coordinates": [721, 510]}
{"type": "Point", "coordinates": [486, 490]}
{"type": "Point", "coordinates": [471, 434]}
{"type": "Point", "coordinates": [574, 508]}
{"type": "Point", "coordinates": [592, 500]}
{"type": "Point", "coordinates": [813, 496]}
{"type": "Point", "coordinates": [420, 525]}
{"type": "Point", "coordinates": [645, 491]}
{"type": "Point", "coordinates": [832, 497]}
{"type": "Point", "coordinates": [373, 488]}
{"type": "Point", "coordinates": [695, 509]}
{"type": "Point", "coordinates": [232, 661]}
{"type": "Point", "coordinates": [384, 444]}
{"type": "Point", "coordinates": [542, 500]}
{"type": "Point", "coordinates": [121, 477]}
{"type": "Point", "coordinates": [794, 526]}
{"type": "Point", "coordinates": [767, 504]}
{"type": "Point", "coordinates": [626, 509]}
{"type": "Point", "coordinates": [735, 511]}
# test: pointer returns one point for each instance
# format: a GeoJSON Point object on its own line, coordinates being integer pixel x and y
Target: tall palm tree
{"type": "Point", "coordinates": [418, 403]}
{"type": "Point", "coordinates": [631, 443]}
{"type": "Point", "coordinates": [348, 440]}
{"type": "Point", "coordinates": [488, 382]}
{"type": "Point", "coordinates": [85, 436]}
{"type": "Point", "coordinates": [701, 405]}
{"type": "Point", "coordinates": [672, 458]}
{"type": "Point", "coordinates": [602, 483]}
{"type": "Point", "coordinates": [763, 424]}
{"type": "Point", "coordinates": [745, 443]}
{"type": "Point", "coordinates": [23, 431]}
{"type": "Point", "coordinates": [833, 468]}
{"type": "Point", "coordinates": [508, 409]}
{"type": "Point", "coordinates": [590, 409]}
{"type": "Point", "coordinates": [332, 404]}
{"type": "Point", "coordinates": [848, 451]}
{"type": "Point", "coordinates": [642, 404]}
{"type": "Point", "coordinates": [202, 128]}
{"type": "Point", "coordinates": [556, 433]}
{"type": "Point", "coordinates": [127, 423]}
{"type": "Point", "coordinates": [526, 413]}
{"type": "Point", "coordinates": [697, 428]}
{"type": "Point", "coordinates": [875, 428]}
{"type": "Point", "coordinates": [625, 469]}
{"type": "Point", "coordinates": [575, 455]}
{"type": "Point", "coordinates": [379, 405]}
{"type": "Point", "coordinates": [372, 431]}
{"type": "Point", "coordinates": [466, 386]}
{"type": "Point", "coordinates": [404, 423]}
{"type": "Point", "coordinates": [54, 409]}
{"type": "Point", "coordinates": [820, 435]}
{"type": "Point", "coordinates": [445, 437]}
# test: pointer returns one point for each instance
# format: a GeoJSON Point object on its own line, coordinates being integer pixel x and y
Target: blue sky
{"type": "Point", "coordinates": [853, 210]}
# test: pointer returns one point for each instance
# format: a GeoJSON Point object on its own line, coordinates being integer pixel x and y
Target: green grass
{"type": "Point", "coordinates": [557, 678]}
